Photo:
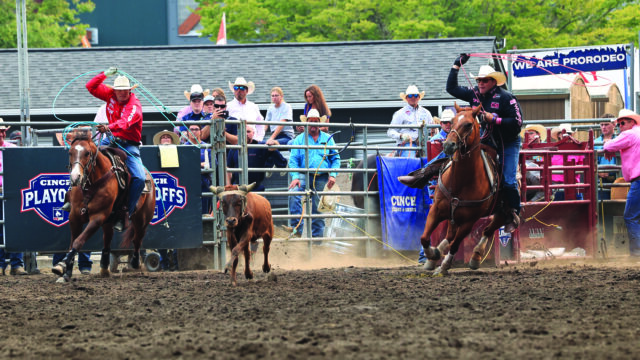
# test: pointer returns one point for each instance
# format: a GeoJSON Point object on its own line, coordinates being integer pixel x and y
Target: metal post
{"type": "Point", "coordinates": [23, 67]}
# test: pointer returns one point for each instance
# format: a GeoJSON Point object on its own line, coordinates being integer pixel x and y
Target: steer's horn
{"type": "Point", "coordinates": [250, 187]}
{"type": "Point", "coordinates": [216, 189]}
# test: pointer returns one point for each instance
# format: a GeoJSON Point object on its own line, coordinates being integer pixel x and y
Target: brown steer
{"type": "Point", "coordinates": [248, 217]}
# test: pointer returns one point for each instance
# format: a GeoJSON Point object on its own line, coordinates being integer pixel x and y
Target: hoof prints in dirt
{"type": "Point", "coordinates": [515, 312]}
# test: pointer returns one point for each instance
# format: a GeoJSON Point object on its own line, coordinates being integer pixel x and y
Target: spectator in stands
{"type": "Point", "coordinates": [17, 265]}
{"type": "Point", "coordinates": [16, 137]}
{"type": "Point", "coordinates": [314, 98]}
{"type": "Point", "coordinates": [411, 114]}
{"type": "Point", "coordinates": [628, 143]}
{"type": "Point", "coordinates": [320, 162]}
{"type": "Point", "coordinates": [445, 125]}
{"type": "Point", "coordinates": [280, 110]}
{"type": "Point", "coordinates": [501, 121]}
{"type": "Point", "coordinates": [607, 126]}
{"type": "Point", "coordinates": [195, 88]}
{"type": "Point", "coordinates": [535, 133]}
{"type": "Point", "coordinates": [197, 113]}
{"type": "Point", "coordinates": [256, 158]}
{"type": "Point", "coordinates": [243, 109]}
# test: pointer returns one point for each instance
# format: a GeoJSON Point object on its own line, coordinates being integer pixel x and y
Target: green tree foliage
{"type": "Point", "coordinates": [524, 23]}
{"type": "Point", "coordinates": [50, 23]}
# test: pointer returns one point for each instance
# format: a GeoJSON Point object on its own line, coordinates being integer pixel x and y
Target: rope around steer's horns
{"type": "Point", "coordinates": [242, 190]}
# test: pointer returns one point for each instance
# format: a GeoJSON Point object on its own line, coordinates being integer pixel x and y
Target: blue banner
{"type": "Point", "coordinates": [403, 210]}
{"type": "Point", "coordinates": [571, 61]}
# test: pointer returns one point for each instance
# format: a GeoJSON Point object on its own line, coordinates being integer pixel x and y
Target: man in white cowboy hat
{"type": "Point", "coordinates": [445, 125]}
{"type": "Point", "coordinates": [243, 109]}
{"type": "Point", "coordinates": [410, 114]}
{"type": "Point", "coordinates": [320, 162]}
{"type": "Point", "coordinates": [628, 144]}
{"type": "Point", "coordinates": [501, 119]}
{"type": "Point", "coordinates": [124, 113]}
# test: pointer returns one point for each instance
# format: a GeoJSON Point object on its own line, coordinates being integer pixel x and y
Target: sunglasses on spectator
{"type": "Point", "coordinates": [483, 81]}
{"type": "Point", "coordinates": [410, 96]}
{"type": "Point", "coordinates": [194, 129]}
{"type": "Point", "coordinates": [240, 88]}
{"type": "Point", "coordinates": [219, 106]}
{"type": "Point", "coordinates": [606, 124]}
{"type": "Point", "coordinates": [622, 123]}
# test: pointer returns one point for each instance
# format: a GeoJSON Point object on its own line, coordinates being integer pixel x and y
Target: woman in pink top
{"type": "Point", "coordinates": [628, 143]}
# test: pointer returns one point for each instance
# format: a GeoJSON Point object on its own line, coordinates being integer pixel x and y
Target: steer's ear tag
{"type": "Point", "coordinates": [169, 156]}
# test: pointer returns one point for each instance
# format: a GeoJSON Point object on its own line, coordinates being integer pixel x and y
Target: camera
{"type": "Point", "coordinates": [224, 114]}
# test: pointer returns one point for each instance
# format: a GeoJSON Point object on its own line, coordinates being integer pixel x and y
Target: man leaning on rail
{"type": "Point", "coordinates": [628, 143]}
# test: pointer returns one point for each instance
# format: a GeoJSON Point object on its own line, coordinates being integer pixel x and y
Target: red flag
{"type": "Point", "coordinates": [222, 33]}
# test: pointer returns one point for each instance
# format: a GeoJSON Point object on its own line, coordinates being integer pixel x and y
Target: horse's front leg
{"type": "Point", "coordinates": [459, 233]}
{"type": "Point", "coordinates": [433, 220]}
{"type": "Point", "coordinates": [105, 258]}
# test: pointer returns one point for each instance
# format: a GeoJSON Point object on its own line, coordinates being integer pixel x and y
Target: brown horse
{"type": "Point", "coordinates": [466, 191]}
{"type": "Point", "coordinates": [93, 197]}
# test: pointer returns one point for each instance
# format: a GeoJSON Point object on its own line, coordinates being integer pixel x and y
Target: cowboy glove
{"type": "Point", "coordinates": [461, 60]}
{"type": "Point", "coordinates": [405, 138]}
{"type": "Point", "coordinates": [111, 71]}
{"type": "Point", "coordinates": [490, 118]}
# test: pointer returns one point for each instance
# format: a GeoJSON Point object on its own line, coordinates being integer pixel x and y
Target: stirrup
{"type": "Point", "coordinates": [66, 207]}
{"type": "Point", "coordinates": [119, 225]}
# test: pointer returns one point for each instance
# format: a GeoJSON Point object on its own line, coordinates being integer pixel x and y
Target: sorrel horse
{"type": "Point", "coordinates": [93, 197]}
{"type": "Point", "coordinates": [467, 190]}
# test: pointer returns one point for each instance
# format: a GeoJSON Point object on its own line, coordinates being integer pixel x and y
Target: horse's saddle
{"type": "Point", "coordinates": [118, 159]}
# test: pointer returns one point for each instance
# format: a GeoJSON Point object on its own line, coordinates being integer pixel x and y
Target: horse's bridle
{"type": "Point", "coordinates": [86, 172]}
{"type": "Point", "coordinates": [462, 144]}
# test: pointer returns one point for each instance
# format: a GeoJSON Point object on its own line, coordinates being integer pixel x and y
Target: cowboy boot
{"type": "Point", "coordinates": [421, 177]}
{"type": "Point", "coordinates": [512, 209]}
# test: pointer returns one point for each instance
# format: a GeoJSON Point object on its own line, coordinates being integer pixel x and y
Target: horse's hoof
{"type": "Point", "coordinates": [474, 264]}
{"type": "Point", "coordinates": [429, 265]}
{"type": "Point", "coordinates": [59, 269]}
{"type": "Point", "coordinates": [105, 273]}
{"type": "Point", "coordinates": [61, 280]}
{"type": "Point", "coordinates": [249, 276]}
{"type": "Point", "coordinates": [266, 268]}
{"type": "Point", "coordinates": [441, 271]}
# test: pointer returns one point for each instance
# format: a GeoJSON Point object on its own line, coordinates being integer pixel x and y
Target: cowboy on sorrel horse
{"type": "Point", "coordinates": [96, 198]}
{"type": "Point", "coordinates": [467, 190]}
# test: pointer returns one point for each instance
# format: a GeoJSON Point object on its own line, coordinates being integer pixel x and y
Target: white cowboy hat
{"type": "Point", "coordinates": [122, 83]}
{"type": "Point", "coordinates": [558, 130]}
{"type": "Point", "coordinates": [541, 130]}
{"type": "Point", "coordinates": [412, 90]}
{"type": "Point", "coordinates": [628, 114]}
{"type": "Point", "coordinates": [313, 113]}
{"type": "Point", "coordinates": [2, 127]}
{"type": "Point", "coordinates": [487, 71]}
{"type": "Point", "coordinates": [195, 88]}
{"type": "Point", "coordinates": [174, 137]}
{"type": "Point", "coordinates": [447, 115]}
{"type": "Point", "coordinates": [240, 81]}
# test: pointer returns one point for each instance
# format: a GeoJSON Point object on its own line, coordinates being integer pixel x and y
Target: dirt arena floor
{"type": "Point", "coordinates": [334, 307]}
